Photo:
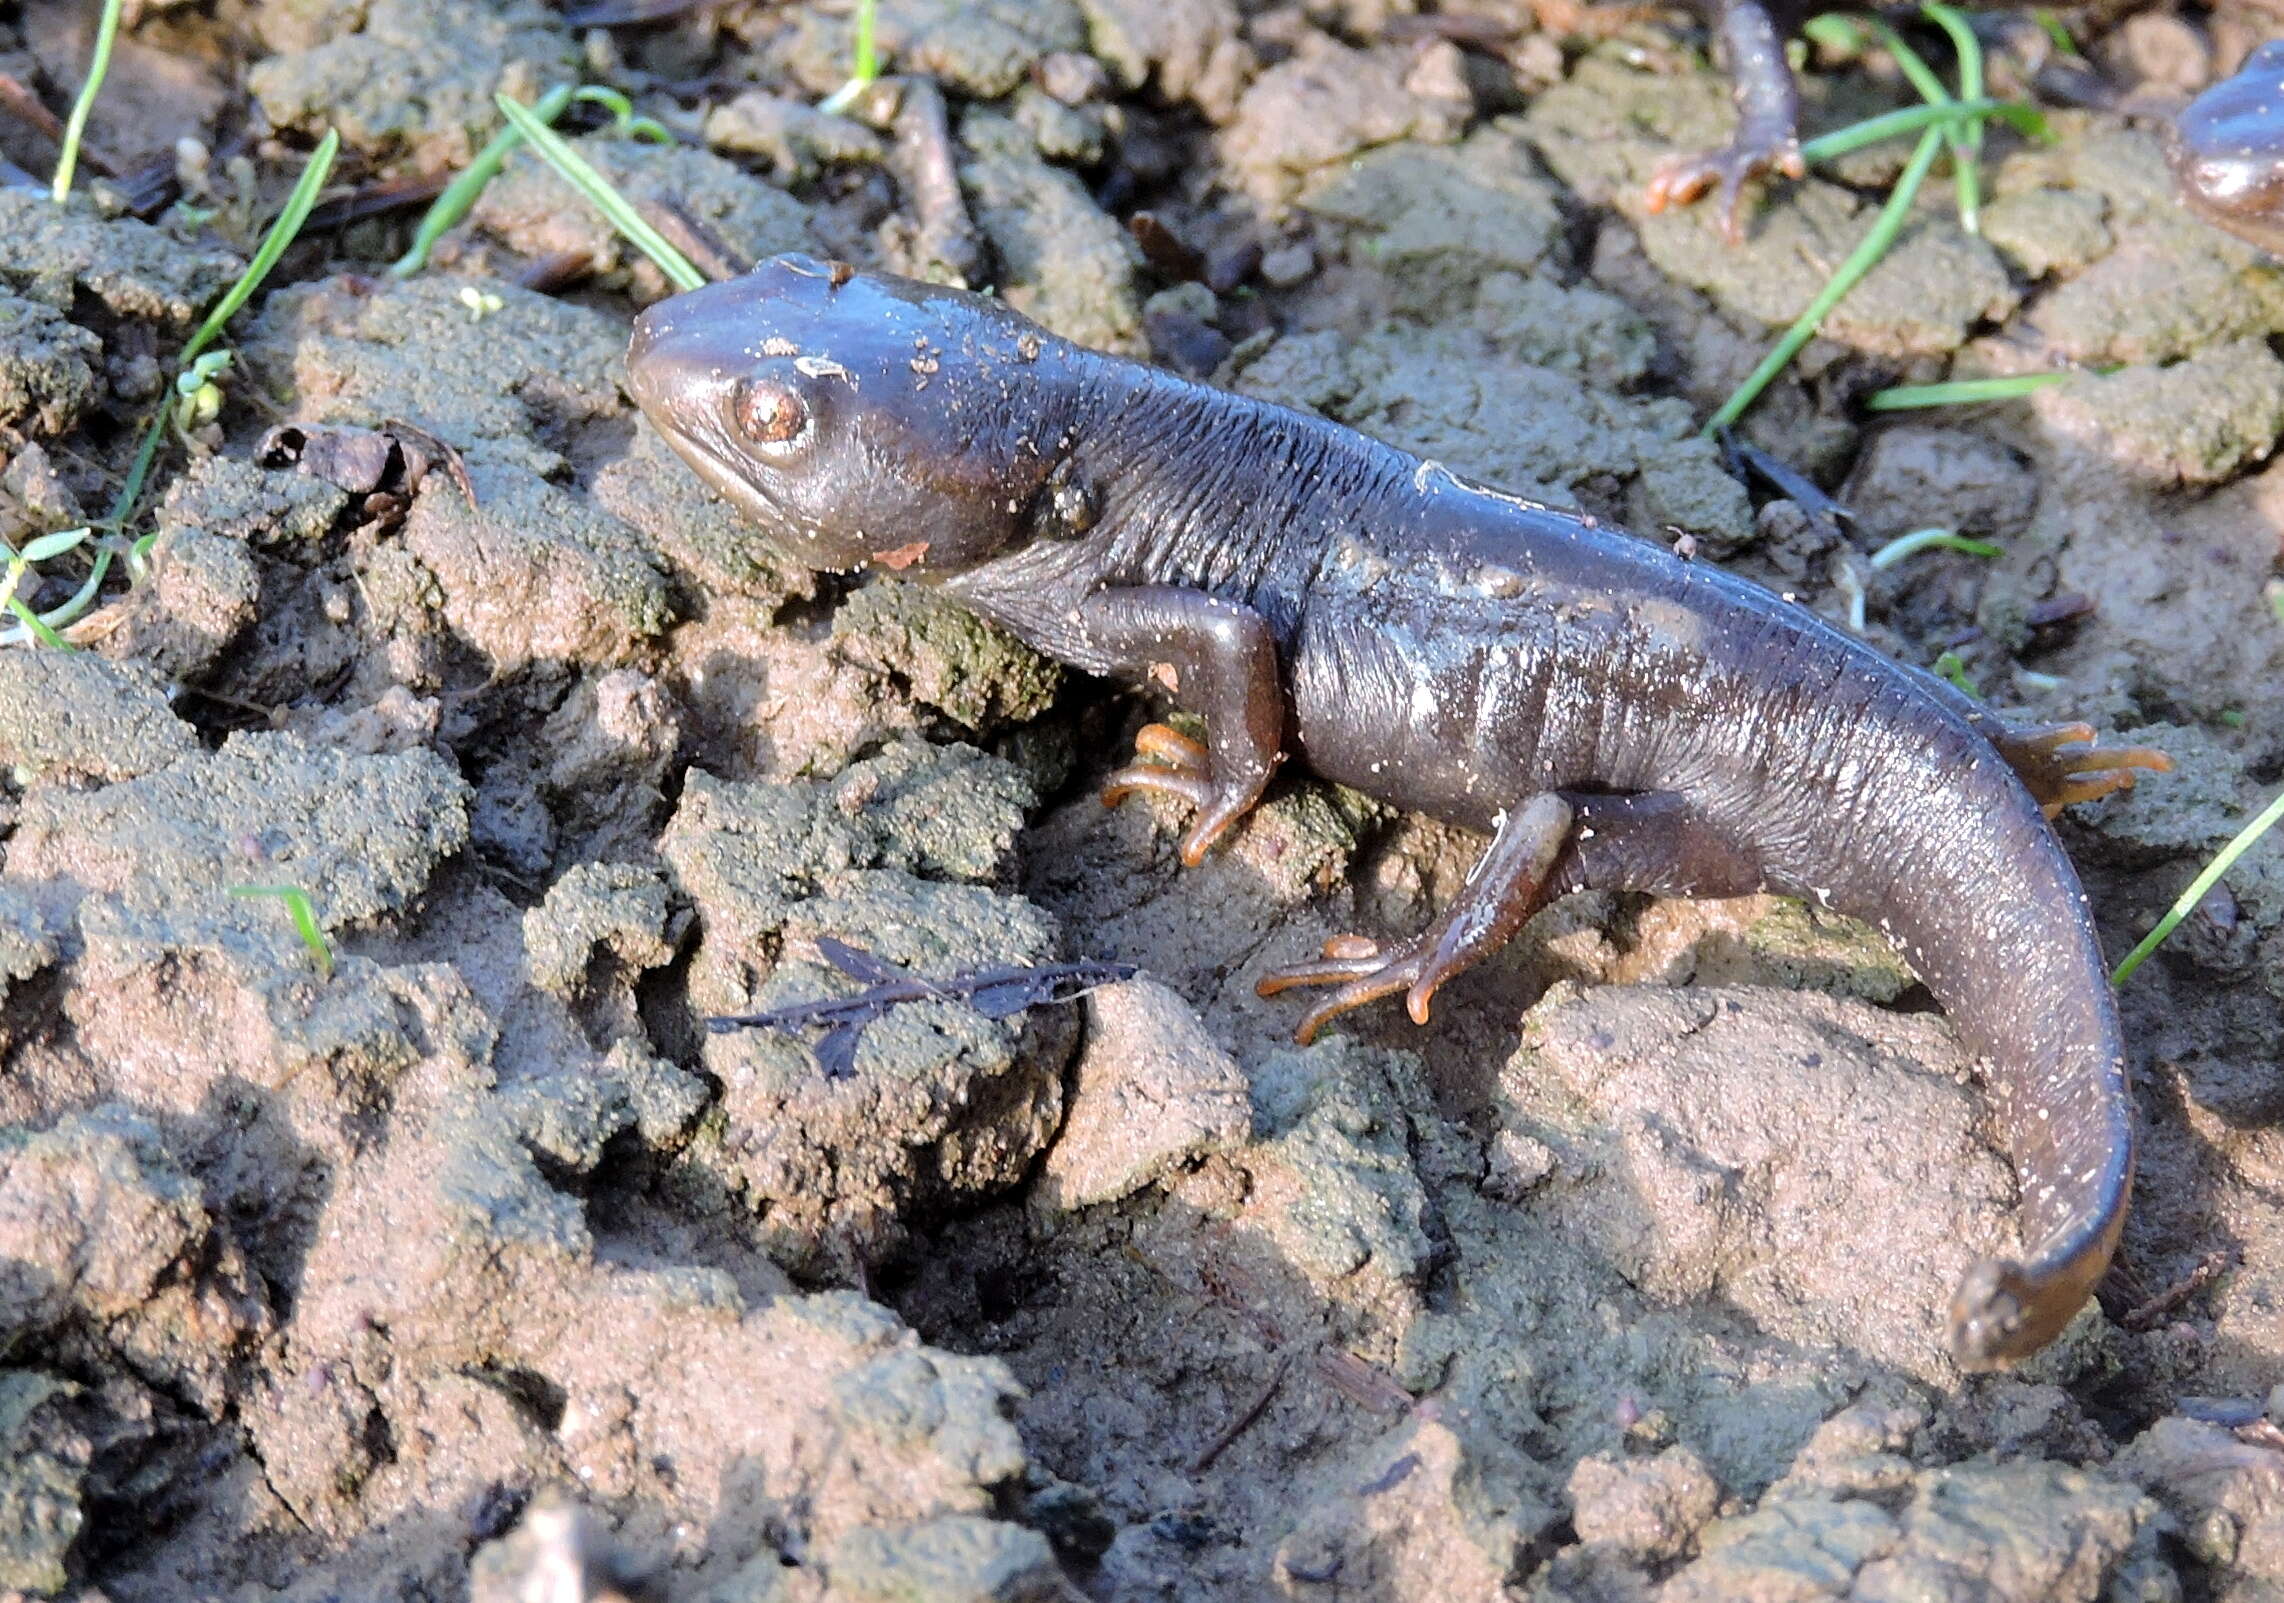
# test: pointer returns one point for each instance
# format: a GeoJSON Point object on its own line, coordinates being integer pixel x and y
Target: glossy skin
{"type": "Point", "coordinates": [2227, 151]}
{"type": "Point", "coordinates": [1618, 717]}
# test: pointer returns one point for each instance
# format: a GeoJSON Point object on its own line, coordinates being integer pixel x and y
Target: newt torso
{"type": "Point", "coordinates": [1620, 718]}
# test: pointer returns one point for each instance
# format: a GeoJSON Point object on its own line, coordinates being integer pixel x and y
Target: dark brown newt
{"type": "Point", "coordinates": [2226, 148]}
{"type": "Point", "coordinates": [1613, 716]}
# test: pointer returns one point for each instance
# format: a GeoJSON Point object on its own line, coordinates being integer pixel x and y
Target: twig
{"type": "Point", "coordinates": [1245, 1416]}
{"type": "Point", "coordinates": [926, 170]}
{"type": "Point", "coordinates": [996, 993]}
{"type": "Point", "coordinates": [2150, 1314]}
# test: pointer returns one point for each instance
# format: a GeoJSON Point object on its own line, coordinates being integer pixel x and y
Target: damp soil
{"type": "Point", "coordinates": [461, 1260]}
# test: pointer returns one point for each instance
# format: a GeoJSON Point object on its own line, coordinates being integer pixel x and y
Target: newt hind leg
{"type": "Point", "coordinates": [2061, 765]}
{"type": "Point", "coordinates": [1549, 846]}
{"type": "Point", "coordinates": [1768, 111]}
{"type": "Point", "coordinates": [1508, 884]}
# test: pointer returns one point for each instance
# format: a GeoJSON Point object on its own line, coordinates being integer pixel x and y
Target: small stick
{"type": "Point", "coordinates": [1365, 1384]}
{"type": "Point", "coordinates": [1245, 1418]}
{"type": "Point", "coordinates": [928, 173]}
{"type": "Point", "coordinates": [707, 250]}
{"type": "Point", "coordinates": [2148, 1315]}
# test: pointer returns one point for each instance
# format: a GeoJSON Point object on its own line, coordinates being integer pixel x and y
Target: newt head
{"type": "Point", "coordinates": [856, 418]}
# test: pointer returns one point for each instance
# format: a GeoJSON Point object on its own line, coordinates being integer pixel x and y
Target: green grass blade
{"type": "Point", "coordinates": [581, 175]}
{"type": "Point", "coordinates": [1908, 545]}
{"type": "Point", "coordinates": [304, 915]}
{"type": "Point", "coordinates": [459, 195]}
{"type": "Point", "coordinates": [1930, 87]}
{"type": "Point", "coordinates": [75, 129]}
{"type": "Point", "coordinates": [1969, 47]}
{"type": "Point", "coordinates": [1961, 392]}
{"type": "Point", "coordinates": [1913, 66]}
{"type": "Point", "coordinates": [1911, 119]}
{"type": "Point", "coordinates": [1967, 141]}
{"type": "Point", "coordinates": [1842, 35]}
{"type": "Point", "coordinates": [623, 119]}
{"type": "Point", "coordinates": [866, 66]}
{"type": "Point", "coordinates": [2187, 902]}
{"type": "Point", "coordinates": [867, 56]}
{"type": "Point", "coordinates": [139, 472]}
{"type": "Point", "coordinates": [274, 244]}
{"type": "Point", "coordinates": [37, 628]}
{"type": "Point", "coordinates": [1952, 668]}
{"type": "Point", "coordinates": [1860, 261]}
{"type": "Point", "coordinates": [298, 206]}
{"type": "Point", "coordinates": [50, 546]}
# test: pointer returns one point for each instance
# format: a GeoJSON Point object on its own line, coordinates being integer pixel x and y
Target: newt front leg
{"type": "Point", "coordinates": [1219, 660]}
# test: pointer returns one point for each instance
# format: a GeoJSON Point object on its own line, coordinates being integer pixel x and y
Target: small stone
{"type": "Point", "coordinates": [1152, 1090]}
{"type": "Point", "coordinates": [2214, 1539]}
{"type": "Point", "coordinates": [1072, 78]}
{"type": "Point", "coordinates": [1651, 1510]}
{"type": "Point", "coordinates": [559, 1550]}
{"type": "Point", "coordinates": [1440, 74]}
{"type": "Point", "coordinates": [1288, 265]}
{"type": "Point", "coordinates": [1536, 59]}
{"type": "Point", "coordinates": [1517, 1163]}
{"type": "Point", "coordinates": [1072, 1519]}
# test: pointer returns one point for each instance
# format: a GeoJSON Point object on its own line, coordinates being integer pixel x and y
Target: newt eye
{"type": "Point", "coordinates": [770, 413]}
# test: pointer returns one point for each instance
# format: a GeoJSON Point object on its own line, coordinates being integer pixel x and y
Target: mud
{"type": "Point", "coordinates": [446, 1252]}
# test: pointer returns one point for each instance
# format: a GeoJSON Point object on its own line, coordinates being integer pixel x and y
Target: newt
{"type": "Point", "coordinates": [1611, 715]}
{"type": "Point", "coordinates": [2225, 148]}
{"type": "Point", "coordinates": [2226, 151]}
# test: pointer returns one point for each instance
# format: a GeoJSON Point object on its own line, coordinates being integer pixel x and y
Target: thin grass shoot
{"type": "Point", "coordinates": [1930, 86]}
{"type": "Point", "coordinates": [1961, 392]}
{"type": "Point", "coordinates": [1860, 261]}
{"type": "Point", "coordinates": [865, 68]}
{"type": "Point", "coordinates": [281, 235]}
{"type": "Point", "coordinates": [274, 244]}
{"type": "Point", "coordinates": [1951, 668]}
{"type": "Point", "coordinates": [1905, 546]}
{"type": "Point", "coordinates": [1833, 32]}
{"type": "Point", "coordinates": [75, 127]}
{"type": "Point", "coordinates": [2186, 902]}
{"type": "Point", "coordinates": [303, 912]}
{"type": "Point", "coordinates": [459, 197]}
{"type": "Point", "coordinates": [20, 563]}
{"type": "Point", "coordinates": [1966, 141]}
{"type": "Point", "coordinates": [580, 174]}
{"type": "Point", "coordinates": [2025, 120]}
{"type": "Point", "coordinates": [2058, 31]}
